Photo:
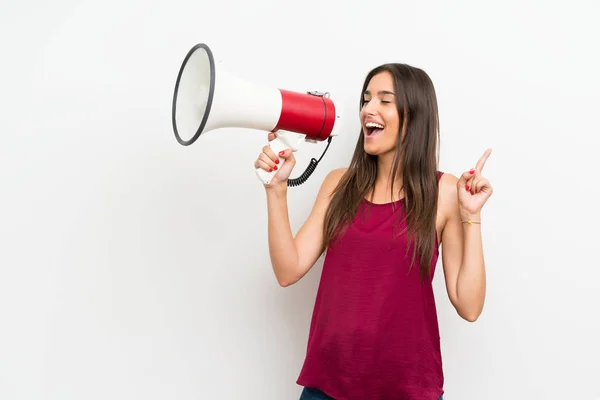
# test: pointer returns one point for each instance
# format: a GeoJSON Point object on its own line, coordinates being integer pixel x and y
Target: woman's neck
{"type": "Point", "coordinates": [383, 182]}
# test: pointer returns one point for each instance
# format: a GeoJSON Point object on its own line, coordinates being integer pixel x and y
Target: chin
{"type": "Point", "coordinates": [371, 150]}
{"type": "Point", "coordinates": [376, 147]}
{"type": "Point", "coordinates": [375, 150]}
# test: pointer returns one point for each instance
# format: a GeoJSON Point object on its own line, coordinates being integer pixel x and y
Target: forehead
{"type": "Point", "coordinates": [381, 82]}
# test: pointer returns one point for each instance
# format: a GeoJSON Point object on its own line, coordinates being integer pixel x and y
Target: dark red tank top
{"type": "Point", "coordinates": [374, 329]}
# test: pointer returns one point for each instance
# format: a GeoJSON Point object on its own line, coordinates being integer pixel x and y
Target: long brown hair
{"type": "Point", "coordinates": [416, 159]}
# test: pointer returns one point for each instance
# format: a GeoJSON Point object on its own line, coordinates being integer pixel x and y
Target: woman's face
{"type": "Point", "coordinates": [379, 115]}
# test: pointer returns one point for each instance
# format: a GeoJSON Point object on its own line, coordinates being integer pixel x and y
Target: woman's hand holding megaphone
{"type": "Point", "coordinates": [281, 164]}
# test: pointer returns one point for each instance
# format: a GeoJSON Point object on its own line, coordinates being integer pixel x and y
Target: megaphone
{"type": "Point", "coordinates": [207, 99]}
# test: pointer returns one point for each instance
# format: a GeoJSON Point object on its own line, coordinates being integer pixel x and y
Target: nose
{"type": "Point", "coordinates": [370, 107]}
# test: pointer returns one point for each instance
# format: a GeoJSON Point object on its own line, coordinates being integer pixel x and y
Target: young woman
{"type": "Point", "coordinates": [374, 330]}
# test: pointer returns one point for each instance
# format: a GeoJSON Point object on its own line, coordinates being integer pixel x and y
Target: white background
{"type": "Point", "coordinates": [135, 268]}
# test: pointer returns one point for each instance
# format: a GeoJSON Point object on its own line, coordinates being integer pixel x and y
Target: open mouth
{"type": "Point", "coordinates": [373, 129]}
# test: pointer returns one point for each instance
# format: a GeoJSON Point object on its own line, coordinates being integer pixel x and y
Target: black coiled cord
{"type": "Point", "coordinates": [309, 169]}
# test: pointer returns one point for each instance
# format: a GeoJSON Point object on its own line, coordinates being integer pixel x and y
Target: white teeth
{"type": "Point", "coordinates": [373, 125]}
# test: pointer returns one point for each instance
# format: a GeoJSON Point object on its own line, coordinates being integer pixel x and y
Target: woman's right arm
{"type": "Point", "coordinates": [292, 257]}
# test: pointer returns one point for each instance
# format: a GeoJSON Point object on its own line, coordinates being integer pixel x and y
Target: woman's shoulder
{"type": "Point", "coordinates": [448, 183]}
{"type": "Point", "coordinates": [334, 176]}
{"type": "Point", "coordinates": [331, 181]}
{"type": "Point", "coordinates": [446, 178]}
{"type": "Point", "coordinates": [448, 190]}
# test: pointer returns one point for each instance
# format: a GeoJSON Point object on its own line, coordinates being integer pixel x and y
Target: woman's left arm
{"type": "Point", "coordinates": [461, 201]}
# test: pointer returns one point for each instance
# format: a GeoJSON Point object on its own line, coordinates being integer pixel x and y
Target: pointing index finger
{"type": "Point", "coordinates": [482, 160]}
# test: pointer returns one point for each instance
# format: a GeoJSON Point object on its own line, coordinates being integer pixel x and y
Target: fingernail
{"type": "Point", "coordinates": [472, 171]}
{"type": "Point", "coordinates": [282, 152]}
{"type": "Point", "coordinates": [270, 169]}
{"type": "Point", "coordinates": [277, 161]}
{"type": "Point", "coordinates": [275, 168]}
{"type": "Point", "coordinates": [467, 188]}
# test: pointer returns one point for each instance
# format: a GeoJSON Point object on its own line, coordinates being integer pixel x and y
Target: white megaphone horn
{"type": "Point", "coordinates": [206, 99]}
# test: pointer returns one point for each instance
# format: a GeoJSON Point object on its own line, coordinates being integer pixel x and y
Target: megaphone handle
{"type": "Point", "coordinates": [281, 142]}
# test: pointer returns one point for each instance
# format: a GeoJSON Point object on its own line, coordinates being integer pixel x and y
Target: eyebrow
{"type": "Point", "coordinates": [381, 92]}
